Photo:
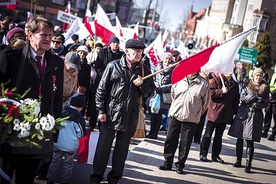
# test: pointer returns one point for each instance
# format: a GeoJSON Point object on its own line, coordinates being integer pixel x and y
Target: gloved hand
{"type": "Point", "coordinates": [158, 90]}
{"type": "Point", "coordinates": [224, 90]}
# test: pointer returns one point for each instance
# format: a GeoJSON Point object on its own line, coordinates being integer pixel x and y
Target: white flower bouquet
{"type": "Point", "coordinates": [21, 122]}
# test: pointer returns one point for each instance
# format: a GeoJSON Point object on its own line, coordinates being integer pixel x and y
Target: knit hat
{"type": "Point", "coordinates": [135, 44]}
{"type": "Point", "coordinates": [75, 37]}
{"type": "Point", "coordinates": [73, 60]}
{"type": "Point", "coordinates": [175, 52]}
{"type": "Point", "coordinates": [13, 31]}
{"type": "Point", "coordinates": [78, 100]}
{"type": "Point", "coordinates": [114, 39]}
{"type": "Point", "coordinates": [258, 70]}
{"type": "Point", "coordinates": [99, 45]}
{"type": "Point", "coordinates": [82, 48]}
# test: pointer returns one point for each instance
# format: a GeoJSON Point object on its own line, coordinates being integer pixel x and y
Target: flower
{"type": "Point", "coordinates": [21, 120]}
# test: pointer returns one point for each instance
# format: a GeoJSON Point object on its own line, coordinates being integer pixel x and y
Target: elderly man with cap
{"type": "Point", "coordinates": [117, 101]}
{"type": "Point", "coordinates": [112, 52]}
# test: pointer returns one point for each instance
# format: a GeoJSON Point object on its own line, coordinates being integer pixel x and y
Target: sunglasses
{"type": "Point", "coordinates": [57, 42]}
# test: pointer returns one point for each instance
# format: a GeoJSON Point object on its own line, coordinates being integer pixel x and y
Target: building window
{"type": "Point", "coordinates": [250, 7]}
{"type": "Point", "coordinates": [263, 23]}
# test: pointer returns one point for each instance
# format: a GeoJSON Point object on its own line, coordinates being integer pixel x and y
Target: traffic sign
{"type": "Point", "coordinates": [247, 55]}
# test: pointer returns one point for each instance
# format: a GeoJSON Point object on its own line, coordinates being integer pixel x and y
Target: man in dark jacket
{"type": "Point", "coordinates": [21, 67]}
{"type": "Point", "coordinates": [112, 52]}
{"type": "Point", "coordinates": [117, 101]}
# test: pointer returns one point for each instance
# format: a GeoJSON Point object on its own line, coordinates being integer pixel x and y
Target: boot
{"type": "Point", "coordinates": [249, 157]}
{"type": "Point", "coordinates": [239, 150]}
{"type": "Point", "coordinates": [272, 136]}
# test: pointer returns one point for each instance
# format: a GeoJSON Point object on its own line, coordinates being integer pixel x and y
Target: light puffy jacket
{"type": "Point", "coordinates": [190, 99]}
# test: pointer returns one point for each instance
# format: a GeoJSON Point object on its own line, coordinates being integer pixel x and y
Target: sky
{"type": "Point", "coordinates": [173, 12]}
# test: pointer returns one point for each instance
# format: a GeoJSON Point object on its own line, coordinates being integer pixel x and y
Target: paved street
{"type": "Point", "coordinates": [146, 155]}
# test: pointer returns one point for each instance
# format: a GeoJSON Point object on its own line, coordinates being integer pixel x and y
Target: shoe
{"type": "Point", "coordinates": [248, 168]}
{"type": "Point", "coordinates": [218, 159]}
{"type": "Point", "coordinates": [162, 129]}
{"type": "Point", "coordinates": [165, 167]}
{"type": "Point", "coordinates": [203, 158]}
{"type": "Point", "coordinates": [237, 164]}
{"type": "Point", "coordinates": [264, 135]}
{"type": "Point", "coordinates": [271, 138]}
{"type": "Point", "coordinates": [179, 171]}
{"type": "Point", "coordinates": [151, 136]}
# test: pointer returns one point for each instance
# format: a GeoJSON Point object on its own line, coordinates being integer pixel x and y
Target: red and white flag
{"type": "Point", "coordinates": [87, 147]}
{"type": "Point", "coordinates": [136, 31]}
{"type": "Point", "coordinates": [172, 44]}
{"type": "Point", "coordinates": [88, 24]}
{"type": "Point", "coordinates": [119, 31]}
{"type": "Point", "coordinates": [29, 16]}
{"type": "Point", "coordinates": [155, 50]}
{"type": "Point", "coordinates": [164, 38]}
{"type": "Point", "coordinates": [103, 27]}
{"type": "Point", "coordinates": [67, 10]}
{"type": "Point", "coordinates": [218, 58]}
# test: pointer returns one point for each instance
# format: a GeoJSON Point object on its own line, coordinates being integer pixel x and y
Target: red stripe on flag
{"type": "Point", "coordinates": [83, 148]}
{"type": "Point", "coordinates": [191, 64]}
{"type": "Point", "coordinates": [102, 32]}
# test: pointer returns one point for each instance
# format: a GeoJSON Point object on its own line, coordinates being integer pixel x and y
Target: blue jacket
{"type": "Point", "coordinates": [74, 128]}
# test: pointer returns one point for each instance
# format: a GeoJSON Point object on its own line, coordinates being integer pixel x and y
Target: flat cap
{"type": "Point", "coordinates": [135, 44]}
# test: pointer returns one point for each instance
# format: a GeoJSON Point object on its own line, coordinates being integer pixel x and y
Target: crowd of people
{"type": "Point", "coordinates": [103, 85]}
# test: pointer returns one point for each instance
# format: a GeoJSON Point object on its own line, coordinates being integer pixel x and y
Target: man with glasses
{"type": "Point", "coordinates": [57, 45]}
{"type": "Point", "coordinates": [117, 101]}
{"type": "Point", "coordinates": [23, 69]}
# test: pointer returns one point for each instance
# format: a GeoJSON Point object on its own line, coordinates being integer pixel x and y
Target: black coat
{"type": "Point", "coordinates": [248, 121]}
{"type": "Point", "coordinates": [118, 97]}
{"type": "Point", "coordinates": [104, 57]}
{"type": "Point", "coordinates": [52, 87]}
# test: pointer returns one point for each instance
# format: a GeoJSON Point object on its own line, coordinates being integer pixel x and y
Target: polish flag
{"type": "Point", "coordinates": [88, 24]}
{"type": "Point", "coordinates": [67, 10]}
{"type": "Point", "coordinates": [103, 27]}
{"type": "Point", "coordinates": [136, 31]}
{"type": "Point", "coordinates": [87, 147]}
{"type": "Point", "coordinates": [217, 58]}
{"type": "Point", "coordinates": [172, 44]}
{"type": "Point", "coordinates": [12, 6]}
{"type": "Point", "coordinates": [164, 38]}
{"type": "Point", "coordinates": [119, 30]}
{"type": "Point", "coordinates": [29, 16]}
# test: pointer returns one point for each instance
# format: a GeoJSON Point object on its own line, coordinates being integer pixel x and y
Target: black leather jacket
{"type": "Point", "coordinates": [118, 97]}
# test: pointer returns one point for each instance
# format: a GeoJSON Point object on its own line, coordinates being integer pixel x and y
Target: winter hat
{"type": "Point", "coordinates": [99, 45]}
{"type": "Point", "coordinates": [258, 70]}
{"type": "Point", "coordinates": [73, 60]}
{"type": "Point", "coordinates": [135, 44]}
{"type": "Point", "coordinates": [75, 37]}
{"type": "Point", "coordinates": [82, 48]}
{"type": "Point", "coordinates": [13, 31]}
{"type": "Point", "coordinates": [78, 100]}
{"type": "Point", "coordinates": [114, 39]}
{"type": "Point", "coordinates": [175, 52]}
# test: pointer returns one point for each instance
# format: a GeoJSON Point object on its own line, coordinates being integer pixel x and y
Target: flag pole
{"type": "Point", "coordinates": [159, 71]}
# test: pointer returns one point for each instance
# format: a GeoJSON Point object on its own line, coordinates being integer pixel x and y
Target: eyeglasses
{"type": "Point", "coordinates": [57, 42]}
